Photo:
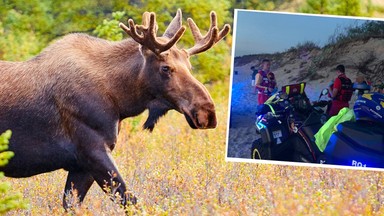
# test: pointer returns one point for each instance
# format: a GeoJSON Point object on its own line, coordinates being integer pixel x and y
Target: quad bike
{"type": "Point", "coordinates": [287, 123]}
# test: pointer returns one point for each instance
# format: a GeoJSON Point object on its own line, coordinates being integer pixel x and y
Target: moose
{"type": "Point", "coordinates": [64, 106]}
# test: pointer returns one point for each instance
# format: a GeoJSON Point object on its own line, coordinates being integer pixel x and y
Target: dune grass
{"type": "Point", "coordinates": [176, 170]}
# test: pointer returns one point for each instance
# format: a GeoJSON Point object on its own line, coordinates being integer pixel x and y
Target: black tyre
{"type": "Point", "coordinates": [302, 153]}
{"type": "Point", "coordinates": [260, 151]}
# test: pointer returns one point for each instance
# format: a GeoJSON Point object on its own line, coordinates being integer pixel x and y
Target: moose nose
{"type": "Point", "coordinates": [206, 119]}
{"type": "Point", "coordinates": [200, 108]}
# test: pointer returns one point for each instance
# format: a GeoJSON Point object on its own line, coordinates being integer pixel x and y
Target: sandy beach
{"type": "Point", "coordinates": [242, 130]}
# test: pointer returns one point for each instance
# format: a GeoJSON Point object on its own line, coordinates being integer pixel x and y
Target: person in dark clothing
{"type": "Point", "coordinates": [253, 75]}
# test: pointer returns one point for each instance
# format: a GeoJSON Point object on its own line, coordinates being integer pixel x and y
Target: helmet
{"type": "Point", "coordinates": [370, 107]}
{"type": "Point", "coordinates": [361, 86]}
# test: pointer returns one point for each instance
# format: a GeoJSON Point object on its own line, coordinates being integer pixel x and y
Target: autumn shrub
{"type": "Point", "coordinates": [8, 199]}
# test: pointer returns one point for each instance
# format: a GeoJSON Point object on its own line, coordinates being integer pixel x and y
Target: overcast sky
{"type": "Point", "coordinates": [269, 32]}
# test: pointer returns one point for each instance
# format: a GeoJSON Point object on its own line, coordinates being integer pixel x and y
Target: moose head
{"type": "Point", "coordinates": [167, 69]}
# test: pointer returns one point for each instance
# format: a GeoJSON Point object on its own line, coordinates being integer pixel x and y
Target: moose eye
{"type": "Point", "coordinates": [166, 70]}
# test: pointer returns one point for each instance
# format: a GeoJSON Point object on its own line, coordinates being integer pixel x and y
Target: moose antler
{"type": "Point", "coordinates": [203, 43]}
{"type": "Point", "coordinates": [145, 34]}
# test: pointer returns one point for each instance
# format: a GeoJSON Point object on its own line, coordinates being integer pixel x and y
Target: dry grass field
{"type": "Point", "coordinates": [179, 171]}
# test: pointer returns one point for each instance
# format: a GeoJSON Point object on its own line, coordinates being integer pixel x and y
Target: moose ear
{"type": "Point", "coordinates": [174, 26]}
{"type": "Point", "coordinates": [145, 51]}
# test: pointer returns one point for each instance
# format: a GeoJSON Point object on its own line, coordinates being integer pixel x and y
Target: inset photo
{"type": "Point", "coordinates": [307, 90]}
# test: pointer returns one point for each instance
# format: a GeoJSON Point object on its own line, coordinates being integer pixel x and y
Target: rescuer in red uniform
{"type": "Point", "coordinates": [341, 91]}
{"type": "Point", "coordinates": [265, 82]}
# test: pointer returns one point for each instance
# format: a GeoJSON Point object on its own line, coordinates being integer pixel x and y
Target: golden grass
{"type": "Point", "coordinates": [179, 171]}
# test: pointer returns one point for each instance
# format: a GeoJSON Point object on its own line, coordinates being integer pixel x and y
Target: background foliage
{"type": "Point", "coordinates": [9, 200]}
{"type": "Point", "coordinates": [185, 171]}
{"type": "Point", "coordinates": [369, 29]}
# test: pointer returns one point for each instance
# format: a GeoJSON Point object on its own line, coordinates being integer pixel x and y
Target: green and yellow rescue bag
{"type": "Point", "coordinates": [325, 132]}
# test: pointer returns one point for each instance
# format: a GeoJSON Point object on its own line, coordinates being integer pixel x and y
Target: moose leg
{"type": "Point", "coordinates": [79, 181]}
{"type": "Point", "coordinates": [105, 173]}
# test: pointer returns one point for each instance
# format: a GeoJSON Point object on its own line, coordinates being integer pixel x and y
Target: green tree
{"type": "Point", "coordinates": [110, 29]}
{"type": "Point", "coordinates": [26, 27]}
{"type": "Point", "coordinates": [316, 7]}
{"type": "Point", "coordinates": [262, 4]}
{"type": "Point", "coordinates": [348, 7]}
{"type": "Point", "coordinates": [339, 7]}
{"type": "Point", "coordinates": [21, 23]}
{"type": "Point", "coordinates": [8, 200]}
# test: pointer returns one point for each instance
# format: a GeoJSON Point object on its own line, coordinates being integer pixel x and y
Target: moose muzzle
{"type": "Point", "coordinates": [202, 118]}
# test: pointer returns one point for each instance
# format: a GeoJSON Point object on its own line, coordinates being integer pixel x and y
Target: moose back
{"type": "Point", "coordinates": [65, 105]}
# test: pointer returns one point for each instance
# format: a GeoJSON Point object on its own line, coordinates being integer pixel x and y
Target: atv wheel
{"type": "Point", "coordinates": [260, 151]}
{"type": "Point", "coordinates": [301, 151]}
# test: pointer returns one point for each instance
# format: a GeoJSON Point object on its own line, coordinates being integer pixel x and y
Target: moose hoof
{"type": "Point", "coordinates": [130, 199]}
